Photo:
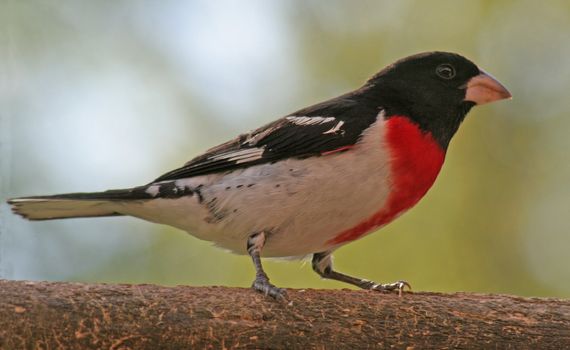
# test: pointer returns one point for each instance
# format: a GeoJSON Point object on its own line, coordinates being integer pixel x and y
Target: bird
{"type": "Point", "coordinates": [311, 181]}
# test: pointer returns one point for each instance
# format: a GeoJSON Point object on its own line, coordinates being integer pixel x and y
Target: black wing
{"type": "Point", "coordinates": [328, 127]}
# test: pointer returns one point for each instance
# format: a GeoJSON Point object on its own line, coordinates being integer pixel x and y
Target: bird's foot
{"type": "Point", "coordinates": [262, 285]}
{"type": "Point", "coordinates": [398, 286]}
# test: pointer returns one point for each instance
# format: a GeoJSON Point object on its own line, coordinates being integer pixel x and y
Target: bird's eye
{"type": "Point", "coordinates": [445, 71]}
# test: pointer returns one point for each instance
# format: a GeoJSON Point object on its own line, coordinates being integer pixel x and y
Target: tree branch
{"type": "Point", "coordinates": [51, 315]}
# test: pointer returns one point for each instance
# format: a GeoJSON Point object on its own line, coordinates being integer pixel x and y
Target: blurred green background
{"type": "Point", "coordinates": [110, 94]}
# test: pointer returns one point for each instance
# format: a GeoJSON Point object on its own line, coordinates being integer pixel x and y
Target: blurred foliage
{"type": "Point", "coordinates": [107, 94]}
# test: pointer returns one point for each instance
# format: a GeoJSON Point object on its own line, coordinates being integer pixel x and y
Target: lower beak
{"type": "Point", "coordinates": [483, 88]}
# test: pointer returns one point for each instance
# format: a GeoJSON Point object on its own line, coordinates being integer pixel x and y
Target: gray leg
{"type": "Point", "coordinates": [261, 283]}
{"type": "Point", "coordinates": [322, 264]}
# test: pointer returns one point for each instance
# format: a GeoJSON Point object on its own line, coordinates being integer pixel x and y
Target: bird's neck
{"type": "Point", "coordinates": [436, 117]}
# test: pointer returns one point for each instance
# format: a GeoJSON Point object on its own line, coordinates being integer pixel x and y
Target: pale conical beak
{"type": "Point", "coordinates": [483, 88]}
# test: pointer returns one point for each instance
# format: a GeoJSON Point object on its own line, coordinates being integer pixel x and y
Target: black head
{"type": "Point", "coordinates": [433, 89]}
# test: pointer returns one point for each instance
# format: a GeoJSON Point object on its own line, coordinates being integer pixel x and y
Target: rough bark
{"type": "Point", "coordinates": [47, 315]}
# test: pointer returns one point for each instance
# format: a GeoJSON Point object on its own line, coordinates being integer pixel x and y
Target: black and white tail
{"type": "Point", "coordinates": [74, 205]}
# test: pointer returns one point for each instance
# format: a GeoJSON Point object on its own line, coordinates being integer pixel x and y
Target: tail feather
{"type": "Point", "coordinates": [74, 205]}
{"type": "Point", "coordinates": [49, 209]}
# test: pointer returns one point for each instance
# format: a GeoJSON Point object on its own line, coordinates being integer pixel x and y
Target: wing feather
{"type": "Point", "coordinates": [318, 130]}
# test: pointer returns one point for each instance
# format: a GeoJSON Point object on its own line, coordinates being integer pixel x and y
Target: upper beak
{"type": "Point", "coordinates": [483, 88]}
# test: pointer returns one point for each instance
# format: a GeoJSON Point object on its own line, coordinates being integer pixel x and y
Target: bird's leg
{"type": "Point", "coordinates": [261, 283]}
{"type": "Point", "coordinates": [322, 264]}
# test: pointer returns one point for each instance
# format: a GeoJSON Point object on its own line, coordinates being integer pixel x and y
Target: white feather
{"type": "Point", "coordinates": [335, 128]}
{"type": "Point", "coordinates": [241, 156]}
{"type": "Point", "coordinates": [153, 190]}
{"type": "Point", "coordinates": [309, 120]}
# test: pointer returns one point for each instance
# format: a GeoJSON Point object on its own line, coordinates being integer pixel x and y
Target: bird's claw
{"type": "Point", "coordinates": [263, 286]}
{"type": "Point", "coordinates": [399, 286]}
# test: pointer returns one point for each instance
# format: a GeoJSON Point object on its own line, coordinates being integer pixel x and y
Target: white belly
{"type": "Point", "coordinates": [299, 207]}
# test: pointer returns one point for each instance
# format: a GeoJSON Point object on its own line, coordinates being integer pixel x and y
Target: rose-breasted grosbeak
{"type": "Point", "coordinates": [313, 180]}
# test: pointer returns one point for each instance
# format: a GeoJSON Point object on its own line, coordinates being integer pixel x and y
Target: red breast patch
{"type": "Point", "coordinates": [416, 161]}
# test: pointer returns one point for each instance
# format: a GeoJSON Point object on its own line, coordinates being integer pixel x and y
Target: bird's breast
{"type": "Point", "coordinates": [415, 161]}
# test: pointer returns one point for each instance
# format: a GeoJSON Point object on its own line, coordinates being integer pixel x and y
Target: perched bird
{"type": "Point", "coordinates": [314, 180]}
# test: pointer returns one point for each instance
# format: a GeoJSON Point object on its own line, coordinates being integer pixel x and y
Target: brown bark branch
{"type": "Point", "coordinates": [51, 315]}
